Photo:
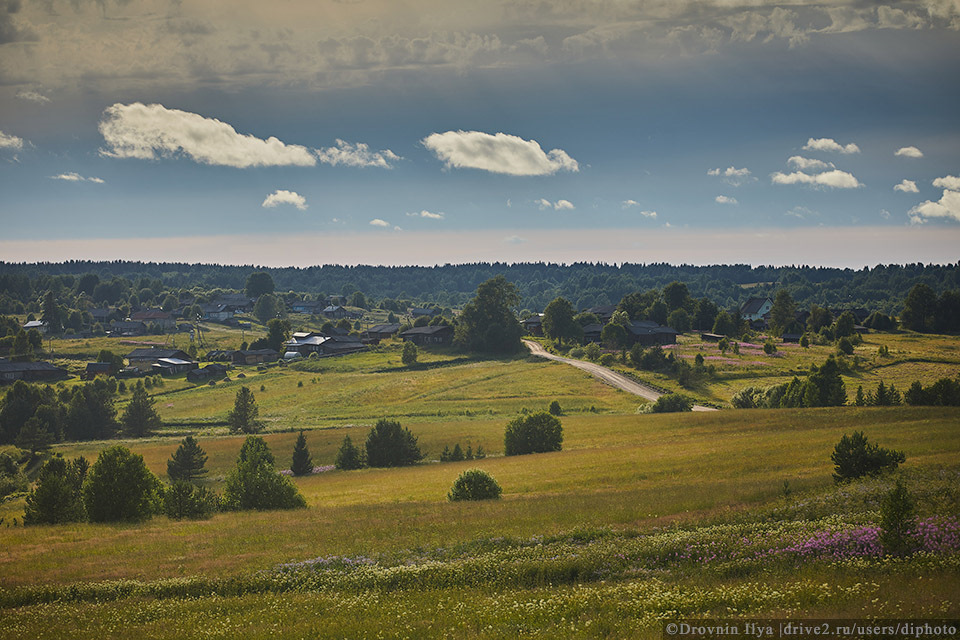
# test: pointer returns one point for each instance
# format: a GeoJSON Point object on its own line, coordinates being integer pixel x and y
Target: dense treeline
{"type": "Point", "coordinates": [882, 288]}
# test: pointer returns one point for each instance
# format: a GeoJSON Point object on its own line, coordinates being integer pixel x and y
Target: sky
{"type": "Point", "coordinates": [301, 132]}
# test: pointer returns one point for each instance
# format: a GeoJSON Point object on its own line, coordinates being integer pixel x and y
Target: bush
{"type": "Point", "coordinates": [409, 354]}
{"type": "Point", "coordinates": [535, 433]}
{"type": "Point", "coordinates": [184, 500]}
{"type": "Point", "coordinates": [390, 445]}
{"type": "Point", "coordinates": [844, 347]}
{"type": "Point", "coordinates": [769, 348]}
{"type": "Point", "coordinates": [474, 484]}
{"type": "Point", "coordinates": [348, 456]}
{"type": "Point", "coordinates": [555, 409]}
{"type": "Point", "coordinates": [608, 359]}
{"type": "Point", "coordinates": [120, 488]}
{"type": "Point", "coordinates": [576, 352]}
{"type": "Point", "coordinates": [57, 497]}
{"type": "Point", "coordinates": [854, 457]}
{"type": "Point", "coordinates": [669, 403]}
{"type": "Point", "coordinates": [12, 478]}
{"type": "Point", "coordinates": [256, 484]}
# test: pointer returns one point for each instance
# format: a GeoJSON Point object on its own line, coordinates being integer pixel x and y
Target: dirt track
{"type": "Point", "coordinates": [610, 377]}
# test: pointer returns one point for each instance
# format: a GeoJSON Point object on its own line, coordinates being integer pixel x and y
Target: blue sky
{"type": "Point", "coordinates": [373, 132]}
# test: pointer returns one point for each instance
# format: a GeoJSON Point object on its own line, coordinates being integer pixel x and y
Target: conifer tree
{"type": "Point", "coordinates": [140, 417]}
{"type": "Point", "coordinates": [349, 456]}
{"type": "Point", "coordinates": [187, 462]}
{"type": "Point", "coordinates": [302, 463]}
{"type": "Point", "coordinates": [243, 418]}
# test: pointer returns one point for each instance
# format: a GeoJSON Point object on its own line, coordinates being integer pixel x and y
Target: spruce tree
{"type": "Point", "coordinates": [302, 463]}
{"type": "Point", "coordinates": [243, 418]}
{"type": "Point", "coordinates": [187, 462]}
{"type": "Point", "coordinates": [349, 456]}
{"type": "Point", "coordinates": [57, 498]}
{"type": "Point", "coordinates": [140, 417]}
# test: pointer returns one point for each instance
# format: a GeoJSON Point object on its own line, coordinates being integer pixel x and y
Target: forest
{"type": "Point", "coordinates": [881, 288]}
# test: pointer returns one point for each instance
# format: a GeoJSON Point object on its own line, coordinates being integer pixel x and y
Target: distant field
{"type": "Point", "coordinates": [912, 357]}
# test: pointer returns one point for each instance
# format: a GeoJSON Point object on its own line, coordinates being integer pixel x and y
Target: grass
{"type": "Point", "coordinates": [619, 471]}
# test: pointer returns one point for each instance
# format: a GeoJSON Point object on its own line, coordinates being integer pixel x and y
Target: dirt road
{"type": "Point", "coordinates": [607, 375]}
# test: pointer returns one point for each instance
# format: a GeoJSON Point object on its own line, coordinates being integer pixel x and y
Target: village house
{"type": "Point", "coordinates": [95, 369]}
{"type": "Point", "coordinates": [603, 312]}
{"type": "Point", "coordinates": [31, 372]}
{"type": "Point", "coordinates": [755, 309]}
{"type": "Point", "coordinates": [336, 312]}
{"type": "Point", "coordinates": [173, 366]}
{"type": "Point", "coordinates": [418, 312]}
{"type": "Point", "coordinates": [430, 335]}
{"type": "Point", "coordinates": [213, 371]}
{"type": "Point", "coordinates": [39, 325]}
{"type": "Point", "coordinates": [381, 331]}
{"type": "Point", "coordinates": [218, 312]}
{"type": "Point", "coordinates": [127, 328]}
{"type": "Point", "coordinates": [159, 317]}
{"type": "Point", "coordinates": [533, 326]}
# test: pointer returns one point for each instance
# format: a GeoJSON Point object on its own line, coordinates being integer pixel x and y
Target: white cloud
{"type": "Point", "coordinates": [732, 176]}
{"type": "Point", "coordinates": [948, 182]}
{"type": "Point", "coordinates": [884, 214]}
{"type": "Point", "coordinates": [725, 200]}
{"type": "Point", "coordinates": [514, 240]}
{"type": "Point", "coordinates": [650, 214]}
{"type": "Point", "coordinates": [629, 203]}
{"type": "Point", "coordinates": [498, 153]}
{"type": "Point", "coordinates": [76, 177]}
{"type": "Point", "coordinates": [377, 222]}
{"type": "Point", "coordinates": [10, 141]}
{"type": "Point", "coordinates": [148, 131]}
{"type": "Point", "coordinates": [809, 164]}
{"type": "Point", "coordinates": [427, 214]}
{"type": "Point", "coordinates": [909, 152]}
{"type": "Point", "coordinates": [836, 179]}
{"type": "Point", "coordinates": [356, 155]}
{"type": "Point", "coordinates": [801, 212]}
{"type": "Point", "coordinates": [947, 207]}
{"type": "Point", "coordinates": [543, 203]}
{"type": "Point", "coordinates": [829, 144]}
{"type": "Point", "coordinates": [33, 96]}
{"type": "Point", "coordinates": [282, 196]}
{"type": "Point", "coordinates": [907, 186]}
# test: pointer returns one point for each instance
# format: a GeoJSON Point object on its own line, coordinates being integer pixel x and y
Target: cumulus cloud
{"type": "Point", "coordinates": [150, 131]}
{"type": "Point", "coordinates": [282, 196]}
{"type": "Point", "coordinates": [947, 207]}
{"type": "Point", "coordinates": [427, 214]}
{"type": "Point", "coordinates": [909, 152]}
{"type": "Point", "coordinates": [907, 186]}
{"type": "Point", "coordinates": [498, 153]}
{"type": "Point", "coordinates": [8, 141]}
{"type": "Point", "coordinates": [829, 144]}
{"type": "Point", "coordinates": [377, 222]}
{"type": "Point", "coordinates": [543, 203]}
{"type": "Point", "coordinates": [356, 155]}
{"type": "Point", "coordinates": [76, 177]}
{"type": "Point", "coordinates": [725, 200]}
{"type": "Point", "coordinates": [33, 96]}
{"type": "Point", "coordinates": [836, 179]}
{"type": "Point", "coordinates": [948, 182]}
{"type": "Point", "coordinates": [731, 175]}
{"type": "Point", "coordinates": [809, 164]}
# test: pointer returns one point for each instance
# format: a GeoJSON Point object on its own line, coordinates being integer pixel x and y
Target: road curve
{"type": "Point", "coordinates": [609, 376]}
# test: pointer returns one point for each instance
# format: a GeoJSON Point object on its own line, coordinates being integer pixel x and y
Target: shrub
{"type": "Point", "coordinates": [348, 456]}
{"type": "Point", "coordinates": [302, 463]}
{"type": "Point", "coordinates": [670, 403]}
{"type": "Point", "coordinates": [474, 484]}
{"type": "Point", "coordinates": [555, 409]}
{"type": "Point", "coordinates": [12, 478]}
{"type": "Point", "coordinates": [57, 497]}
{"type": "Point", "coordinates": [409, 354]}
{"type": "Point", "coordinates": [255, 483]}
{"type": "Point", "coordinates": [576, 352]}
{"type": "Point", "coordinates": [844, 346]}
{"type": "Point", "coordinates": [390, 445]}
{"type": "Point", "coordinates": [535, 433]}
{"type": "Point", "coordinates": [769, 348]}
{"type": "Point", "coordinates": [185, 500]}
{"type": "Point", "coordinates": [592, 351]}
{"type": "Point", "coordinates": [187, 461]}
{"type": "Point", "coordinates": [896, 521]}
{"type": "Point", "coordinates": [608, 359]}
{"type": "Point", "coordinates": [119, 487]}
{"type": "Point", "coordinates": [854, 457]}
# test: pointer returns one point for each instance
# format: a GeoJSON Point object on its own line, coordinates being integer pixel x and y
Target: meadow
{"type": "Point", "coordinates": [638, 519]}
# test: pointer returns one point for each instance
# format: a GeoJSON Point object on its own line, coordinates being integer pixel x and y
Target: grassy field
{"type": "Point", "coordinates": [926, 358]}
{"type": "Point", "coordinates": [639, 518]}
